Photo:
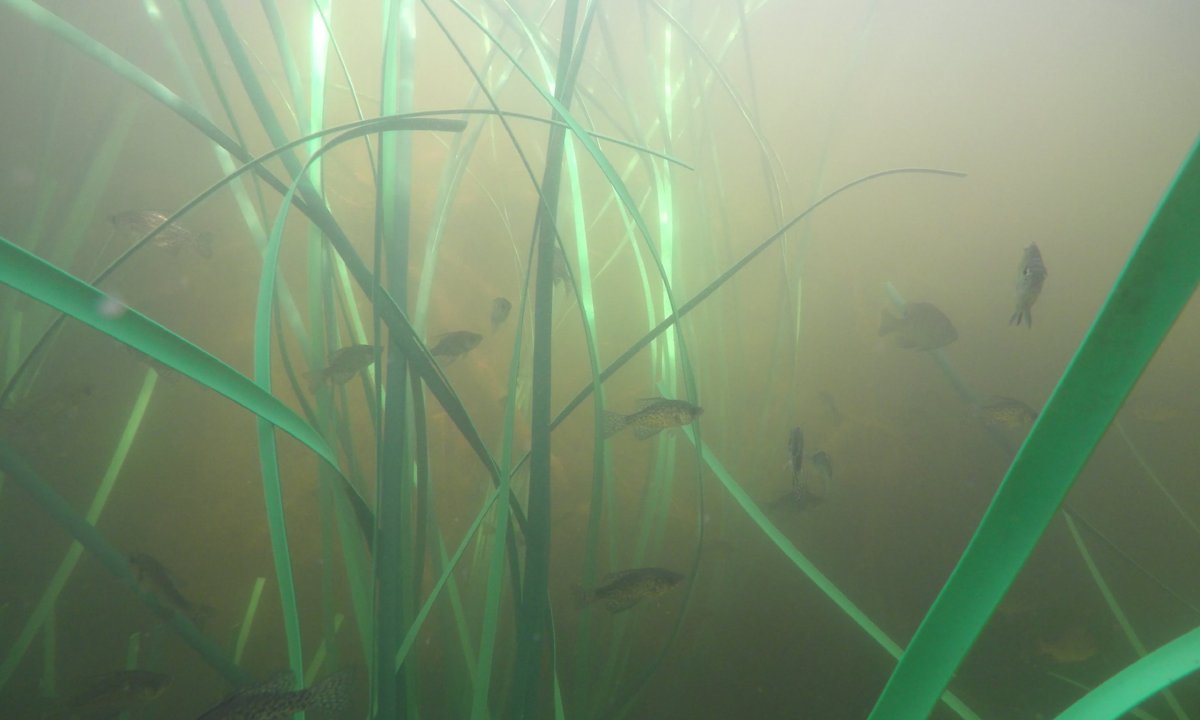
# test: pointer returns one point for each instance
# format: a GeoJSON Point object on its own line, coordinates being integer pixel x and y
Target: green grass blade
{"type": "Point", "coordinates": [1155, 285]}
{"type": "Point", "coordinates": [1133, 685]}
{"type": "Point", "coordinates": [35, 277]}
{"type": "Point", "coordinates": [804, 565]}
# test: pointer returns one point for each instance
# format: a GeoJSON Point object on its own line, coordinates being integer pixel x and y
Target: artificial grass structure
{"type": "Point", "coordinates": [378, 516]}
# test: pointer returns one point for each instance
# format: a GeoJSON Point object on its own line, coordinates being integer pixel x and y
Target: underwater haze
{"type": "Point", "coordinates": [635, 359]}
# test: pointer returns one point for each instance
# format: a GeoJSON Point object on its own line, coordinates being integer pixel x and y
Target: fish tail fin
{"type": "Point", "coordinates": [887, 323]}
{"type": "Point", "coordinates": [581, 596]}
{"type": "Point", "coordinates": [1022, 315]}
{"type": "Point", "coordinates": [314, 379]}
{"type": "Point", "coordinates": [614, 422]}
{"type": "Point", "coordinates": [332, 693]}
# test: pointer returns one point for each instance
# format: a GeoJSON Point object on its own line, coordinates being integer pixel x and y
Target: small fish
{"type": "Point", "coordinates": [42, 411]}
{"type": "Point", "coordinates": [810, 487]}
{"type": "Point", "coordinates": [622, 590]}
{"type": "Point", "coordinates": [562, 269]}
{"type": "Point", "coordinates": [344, 364]}
{"type": "Point", "coordinates": [1031, 274]}
{"type": "Point", "coordinates": [1006, 414]}
{"type": "Point", "coordinates": [653, 415]}
{"type": "Point", "coordinates": [501, 307]}
{"type": "Point", "coordinates": [116, 692]}
{"type": "Point", "coordinates": [153, 577]}
{"type": "Point", "coordinates": [455, 344]}
{"type": "Point", "coordinates": [796, 453]}
{"type": "Point", "coordinates": [173, 237]}
{"type": "Point", "coordinates": [1074, 644]}
{"type": "Point", "coordinates": [921, 327]}
{"type": "Point", "coordinates": [276, 698]}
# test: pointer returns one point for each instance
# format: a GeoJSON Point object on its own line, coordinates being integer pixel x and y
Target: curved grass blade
{"type": "Point", "coordinates": [804, 565]}
{"type": "Point", "coordinates": [1137, 682]}
{"type": "Point", "coordinates": [1157, 282]}
{"type": "Point", "coordinates": [39, 279]}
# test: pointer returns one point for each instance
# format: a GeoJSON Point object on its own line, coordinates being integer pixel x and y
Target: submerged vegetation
{"type": "Point", "coordinates": [426, 556]}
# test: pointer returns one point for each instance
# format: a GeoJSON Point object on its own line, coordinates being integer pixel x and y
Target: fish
{"type": "Point", "coordinates": [1005, 414]}
{"type": "Point", "coordinates": [811, 486]}
{"type": "Point", "coordinates": [622, 590]}
{"type": "Point", "coordinates": [921, 326]}
{"type": "Point", "coordinates": [796, 454]}
{"type": "Point", "coordinates": [44, 410]}
{"type": "Point", "coordinates": [344, 364]}
{"type": "Point", "coordinates": [455, 344]}
{"type": "Point", "coordinates": [276, 698]}
{"type": "Point", "coordinates": [173, 237]}
{"type": "Point", "coordinates": [1031, 274]}
{"type": "Point", "coordinates": [154, 578]}
{"type": "Point", "coordinates": [116, 692]}
{"type": "Point", "coordinates": [501, 307]}
{"type": "Point", "coordinates": [561, 271]}
{"type": "Point", "coordinates": [1075, 643]}
{"type": "Point", "coordinates": [652, 416]}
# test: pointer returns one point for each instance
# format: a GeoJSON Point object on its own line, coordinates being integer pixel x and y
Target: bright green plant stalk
{"type": "Point", "coordinates": [804, 565]}
{"type": "Point", "coordinates": [533, 614]}
{"type": "Point", "coordinates": [35, 277]}
{"type": "Point", "coordinates": [1157, 282]}
{"type": "Point", "coordinates": [243, 635]}
{"type": "Point", "coordinates": [1120, 693]}
{"type": "Point", "coordinates": [393, 504]}
{"type": "Point", "coordinates": [1110, 599]}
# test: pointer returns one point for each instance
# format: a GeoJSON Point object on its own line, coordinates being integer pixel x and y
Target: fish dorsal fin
{"type": "Point", "coordinates": [281, 681]}
{"type": "Point", "coordinates": [643, 403]}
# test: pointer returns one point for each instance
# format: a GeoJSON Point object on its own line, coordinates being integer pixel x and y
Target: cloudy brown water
{"type": "Point", "coordinates": [1067, 122]}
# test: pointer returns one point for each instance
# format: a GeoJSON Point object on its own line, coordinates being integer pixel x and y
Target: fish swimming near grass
{"type": "Point", "coordinates": [652, 417]}
{"type": "Point", "coordinates": [1005, 414]}
{"type": "Point", "coordinates": [501, 307]}
{"type": "Point", "coordinates": [921, 326]}
{"type": "Point", "coordinates": [453, 345]}
{"type": "Point", "coordinates": [276, 698]}
{"type": "Point", "coordinates": [1031, 274]}
{"type": "Point", "coordinates": [812, 481]}
{"type": "Point", "coordinates": [173, 237]}
{"type": "Point", "coordinates": [116, 692]}
{"type": "Point", "coordinates": [344, 364]}
{"type": "Point", "coordinates": [154, 578]}
{"type": "Point", "coordinates": [622, 590]}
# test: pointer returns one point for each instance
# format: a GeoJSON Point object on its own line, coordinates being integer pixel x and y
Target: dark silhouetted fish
{"type": "Point", "coordinates": [561, 270]}
{"type": "Point", "coordinates": [453, 345]}
{"type": "Point", "coordinates": [652, 416]}
{"type": "Point", "coordinates": [501, 307]}
{"type": "Point", "coordinates": [796, 452]}
{"type": "Point", "coordinates": [173, 237]}
{"type": "Point", "coordinates": [622, 590]}
{"type": "Point", "coordinates": [153, 577]}
{"type": "Point", "coordinates": [276, 699]}
{"type": "Point", "coordinates": [1031, 274]}
{"type": "Point", "coordinates": [921, 327]}
{"type": "Point", "coordinates": [113, 693]}
{"type": "Point", "coordinates": [344, 364]}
